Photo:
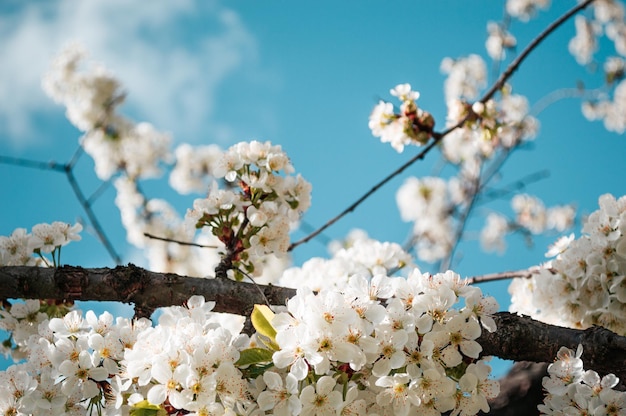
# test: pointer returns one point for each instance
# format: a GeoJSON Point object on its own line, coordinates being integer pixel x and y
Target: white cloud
{"type": "Point", "coordinates": [171, 56]}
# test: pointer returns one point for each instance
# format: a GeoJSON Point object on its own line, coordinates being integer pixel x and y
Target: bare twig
{"type": "Point", "coordinates": [98, 192]}
{"type": "Point", "coordinates": [69, 173]}
{"type": "Point", "coordinates": [561, 94]}
{"type": "Point", "coordinates": [182, 243]}
{"type": "Point", "coordinates": [446, 262]}
{"type": "Point", "coordinates": [67, 169]}
{"type": "Point", "coordinates": [267, 302]}
{"type": "Point", "coordinates": [437, 137]}
{"type": "Point", "coordinates": [518, 185]}
{"type": "Point", "coordinates": [77, 154]}
{"type": "Point", "coordinates": [478, 184]}
{"type": "Point", "coordinates": [34, 164]}
{"type": "Point", "coordinates": [492, 277]}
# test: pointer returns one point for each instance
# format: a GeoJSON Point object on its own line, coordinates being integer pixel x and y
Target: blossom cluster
{"type": "Point", "coordinates": [118, 146]}
{"type": "Point", "coordinates": [585, 284]}
{"type": "Point", "coordinates": [606, 18]}
{"type": "Point", "coordinates": [255, 224]}
{"type": "Point", "coordinates": [358, 254]}
{"type": "Point", "coordinates": [24, 249]}
{"type": "Point", "coordinates": [91, 97]}
{"type": "Point", "coordinates": [499, 41]}
{"type": "Point", "coordinates": [570, 390]}
{"type": "Point", "coordinates": [466, 77]}
{"type": "Point", "coordinates": [610, 111]}
{"type": "Point", "coordinates": [525, 9]}
{"type": "Point", "coordinates": [488, 127]}
{"type": "Point", "coordinates": [429, 202]}
{"type": "Point", "coordinates": [398, 343]}
{"type": "Point", "coordinates": [531, 216]}
{"type": "Point", "coordinates": [480, 131]}
{"type": "Point", "coordinates": [143, 217]}
{"type": "Point", "coordinates": [194, 167]}
{"type": "Point", "coordinates": [253, 217]}
{"type": "Point", "coordinates": [411, 125]}
{"type": "Point", "coordinates": [73, 363]}
{"type": "Point", "coordinates": [378, 345]}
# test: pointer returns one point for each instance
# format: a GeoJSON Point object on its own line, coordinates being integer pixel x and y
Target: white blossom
{"type": "Point", "coordinates": [525, 9]}
{"type": "Point", "coordinates": [498, 41]}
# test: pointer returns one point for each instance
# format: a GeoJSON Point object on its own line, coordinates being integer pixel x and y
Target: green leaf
{"type": "Point", "coordinates": [255, 370]}
{"type": "Point", "coordinates": [261, 318]}
{"type": "Point", "coordinates": [252, 356]}
{"type": "Point", "coordinates": [145, 408]}
{"type": "Point", "coordinates": [457, 372]}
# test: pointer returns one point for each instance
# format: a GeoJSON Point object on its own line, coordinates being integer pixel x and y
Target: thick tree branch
{"type": "Point", "coordinates": [521, 338]}
{"type": "Point", "coordinates": [131, 284]}
{"type": "Point", "coordinates": [521, 391]}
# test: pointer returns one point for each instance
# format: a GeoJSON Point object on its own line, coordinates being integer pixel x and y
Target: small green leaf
{"type": "Point", "coordinates": [252, 356]}
{"type": "Point", "coordinates": [262, 317]}
{"type": "Point", "coordinates": [145, 408]}
{"type": "Point", "coordinates": [457, 372]}
{"type": "Point", "coordinates": [255, 370]}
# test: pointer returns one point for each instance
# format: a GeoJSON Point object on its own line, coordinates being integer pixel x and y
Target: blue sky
{"type": "Point", "coordinates": [301, 74]}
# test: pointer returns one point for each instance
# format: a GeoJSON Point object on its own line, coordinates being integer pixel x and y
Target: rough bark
{"type": "Point", "coordinates": [520, 338]}
{"type": "Point", "coordinates": [146, 290]}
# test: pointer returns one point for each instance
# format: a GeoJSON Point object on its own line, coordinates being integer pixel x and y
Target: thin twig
{"type": "Point", "coordinates": [77, 154]}
{"type": "Point", "coordinates": [34, 164]}
{"type": "Point", "coordinates": [182, 243]}
{"type": "Point", "coordinates": [267, 302]}
{"type": "Point", "coordinates": [496, 165]}
{"type": "Point", "coordinates": [561, 94]}
{"type": "Point", "coordinates": [493, 277]}
{"type": "Point", "coordinates": [476, 185]}
{"type": "Point", "coordinates": [437, 137]}
{"type": "Point", "coordinates": [98, 192]}
{"type": "Point", "coordinates": [69, 173]}
{"type": "Point", "coordinates": [514, 187]}
{"type": "Point", "coordinates": [307, 228]}
{"type": "Point", "coordinates": [367, 194]}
